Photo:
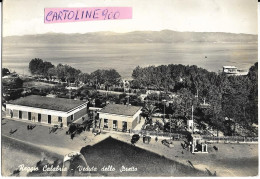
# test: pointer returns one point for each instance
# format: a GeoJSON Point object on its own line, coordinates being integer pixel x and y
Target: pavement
{"type": "Point", "coordinates": [229, 160]}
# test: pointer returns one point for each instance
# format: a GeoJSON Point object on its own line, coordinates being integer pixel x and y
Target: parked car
{"type": "Point", "coordinates": [135, 137]}
{"type": "Point", "coordinates": [167, 143]}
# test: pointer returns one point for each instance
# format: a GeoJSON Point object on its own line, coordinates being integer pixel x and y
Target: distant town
{"type": "Point", "coordinates": [175, 112]}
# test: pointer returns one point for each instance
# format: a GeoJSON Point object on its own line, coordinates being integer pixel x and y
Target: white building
{"type": "Point", "coordinates": [52, 111]}
{"type": "Point", "coordinates": [119, 117]}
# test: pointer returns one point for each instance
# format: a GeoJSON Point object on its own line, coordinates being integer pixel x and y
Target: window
{"type": "Point", "coordinates": [20, 114]}
{"type": "Point", "coordinates": [114, 124]}
{"type": "Point", "coordinates": [105, 123]}
{"type": "Point", "coordinates": [59, 119]}
{"type": "Point", "coordinates": [49, 119]}
{"type": "Point", "coordinates": [39, 117]}
{"type": "Point", "coordinates": [72, 117]}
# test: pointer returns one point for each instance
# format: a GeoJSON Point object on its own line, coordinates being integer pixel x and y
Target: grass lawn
{"type": "Point", "coordinates": [38, 84]}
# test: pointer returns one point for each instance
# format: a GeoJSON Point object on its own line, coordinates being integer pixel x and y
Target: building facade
{"type": "Point", "coordinates": [230, 69]}
{"type": "Point", "coordinates": [119, 117]}
{"type": "Point", "coordinates": [52, 111]}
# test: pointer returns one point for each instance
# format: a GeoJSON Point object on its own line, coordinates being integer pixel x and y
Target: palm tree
{"type": "Point", "coordinates": [148, 111]}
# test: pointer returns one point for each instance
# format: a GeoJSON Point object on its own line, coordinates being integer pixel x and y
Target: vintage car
{"type": "Point", "coordinates": [167, 143]}
{"type": "Point", "coordinates": [135, 137]}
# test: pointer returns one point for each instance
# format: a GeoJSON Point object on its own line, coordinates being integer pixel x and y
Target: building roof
{"type": "Point", "coordinates": [229, 67]}
{"type": "Point", "coordinates": [119, 109]}
{"type": "Point", "coordinates": [57, 104]}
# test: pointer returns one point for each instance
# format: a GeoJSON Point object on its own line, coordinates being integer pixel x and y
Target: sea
{"type": "Point", "coordinates": [124, 57]}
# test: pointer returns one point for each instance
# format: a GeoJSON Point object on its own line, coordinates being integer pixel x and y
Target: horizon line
{"type": "Point", "coordinates": [127, 32]}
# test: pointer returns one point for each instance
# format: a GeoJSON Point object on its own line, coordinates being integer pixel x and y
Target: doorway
{"type": "Point", "coordinates": [49, 119]}
{"type": "Point", "coordinates": [124, 126]}
{"type": "Point", "coordinates": [29, 116]}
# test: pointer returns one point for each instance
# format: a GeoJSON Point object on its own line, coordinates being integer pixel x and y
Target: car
{"type": "Point", "coordinates": [135, 137]}
{"type": "Point", "coordinates": [167, 143]}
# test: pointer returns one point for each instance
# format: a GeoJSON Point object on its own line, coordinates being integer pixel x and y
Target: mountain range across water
{"type": "Point", "coordinates": [164, 36]}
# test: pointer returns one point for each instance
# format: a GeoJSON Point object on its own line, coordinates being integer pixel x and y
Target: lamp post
{"type": "Point", "coordinates": [192, 118]}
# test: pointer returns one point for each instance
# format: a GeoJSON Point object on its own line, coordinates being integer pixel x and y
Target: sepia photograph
{"type": "Point", "coordinates": [129, 88]}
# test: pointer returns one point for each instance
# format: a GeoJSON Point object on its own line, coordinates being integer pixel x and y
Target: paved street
{"type": "Point", "coordinates": [230, 160]}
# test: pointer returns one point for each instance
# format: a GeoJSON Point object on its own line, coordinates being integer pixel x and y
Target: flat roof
{"type": "Point", "coordinates": [43, 102]}
{"type": "Point", "coordinates": [119, 109]}
{"type": "Point", "coordinates": [229, 67]}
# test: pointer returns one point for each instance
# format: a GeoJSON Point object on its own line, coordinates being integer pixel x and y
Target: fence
{"type": "Point", "coordinates": [159, 134]}
{"type": "Point", "coordinates": [225, 139]}
{"type": "Point", "coordinates": [230, 139]}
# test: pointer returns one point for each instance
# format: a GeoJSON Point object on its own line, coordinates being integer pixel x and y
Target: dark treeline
{"type": "Point", "coordinates": [68, 74]}
{"type": "Point", "coordinates": [232, 99]}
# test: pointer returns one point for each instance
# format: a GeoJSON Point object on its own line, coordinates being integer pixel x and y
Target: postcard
{"type": "Point", "coordinates": [129, 88]}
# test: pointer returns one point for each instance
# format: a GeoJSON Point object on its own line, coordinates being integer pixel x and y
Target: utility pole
{"type": "Point", "coordinates": [164, 109]}
{"type": "Point", "coordinates": [96, 83]}
{"type": "Point", "coordinates": [128, 96]}
{"type": "Point", "coordinates": [192, 118]}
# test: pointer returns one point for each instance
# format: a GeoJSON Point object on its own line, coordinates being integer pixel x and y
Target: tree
{"type": "Point", "coordinates": [112, 77]}
{"type": "Point", "coordinates": [51, 72]}
{"type": "Point", "coordinates": [61, 72]}
{"type": "Point", "coordinates": [39, 67]}
{"type": "Point", "coordinates": [46, 67]}
{"type": "Point", "coordinates": [107, 77]}
{"type": "Point", "coordinates": [67, 73]}
{"type": "Point", "coordinates": [148, 111]}
{"type": "Point", "coordinates": [5, 71]}
{"type": "Point", "coordinates": [84, 77]}
{"type": "Point", "coordinates": [34, 66]}
{"type": "Point", "coordinates": [12, 88]}
{"type": "Point", "coordinates": [176, 124]}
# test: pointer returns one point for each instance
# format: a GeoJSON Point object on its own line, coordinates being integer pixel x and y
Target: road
{"type": "Point", "coordinates": [229, 160]}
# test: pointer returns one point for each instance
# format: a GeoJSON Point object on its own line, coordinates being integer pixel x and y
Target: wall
{"type": "Point", "coordinates": [45, 118]}
{"type": "Point", "coordinates": [115, 117]}
{"type": "Point", "coordinates": [8, 112]}
{"type": "Point", "coordinates": [120, 125]}
{"type": "Point", "coordinates": [44, 114]}
{"type": "Point", "coordinates": [134, 123]}
{"type": "Point", "coordinates": [131, 123]}
{"type": "Point", "coordinates": [25, 115]}
{"type": "Point", "coordinates": [80, 113]}
{"type": "Point", "coordinates": [16, 113]}
{"type": "Point", "coordinates": [34, 117]}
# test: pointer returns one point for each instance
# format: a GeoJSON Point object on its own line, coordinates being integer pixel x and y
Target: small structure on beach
{"type": "Point", "coordinates": [198, 144]}
{"type": "Point", "coordinates": [232, 70]}
{"type": "Point", "coordinates": [229, 69]}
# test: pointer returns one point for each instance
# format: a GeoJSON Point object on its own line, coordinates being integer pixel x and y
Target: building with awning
{"type": "Point", "coordinates": [41, 109]}
{"type": "Point", "coordinates": [119, 117]}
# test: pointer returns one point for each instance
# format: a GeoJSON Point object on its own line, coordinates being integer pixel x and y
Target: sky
{"type": "Point", "coordinates": [21, 17]}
